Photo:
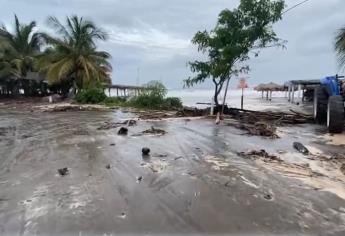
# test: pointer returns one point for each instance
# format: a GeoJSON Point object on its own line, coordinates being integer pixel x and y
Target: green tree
{"type": "Point", "coordinates": [340, 46]}
{"type": "Point", "coordinates": [237, 33]}
{"type": "Point", "coordinates": [19, 50]}
{"type": "Point", "coordinates": [73, 56]}
{"type": "Point", "coordinates": [156, 88]}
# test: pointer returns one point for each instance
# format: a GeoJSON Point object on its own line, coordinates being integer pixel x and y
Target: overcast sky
{"type": "Point", "coordinates": [153, 36]}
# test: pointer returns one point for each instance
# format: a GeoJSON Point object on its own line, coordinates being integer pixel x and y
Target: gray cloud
{"type": "Point", "coordinates": [154, 35]}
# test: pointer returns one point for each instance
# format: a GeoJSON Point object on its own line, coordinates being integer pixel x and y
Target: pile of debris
{"type": "Point", "coordinates": [114, 125]}
{"type": "Point", "coordinates": [259, 128]}
{"type": "Point", "coordinates": [154, 131]}
{"type": "Point", "coordinates": [184, 112]}
{"type": "Point", "coordinates": [155, 115]}
{"type": "Point", "coordinates": [277, 118]}
{"type": "Point", "coordinates": [262, 154]}
{"type": "Point", "coordinates": [264, 123]}
{"type": "Point", "coordinates": [192, 112]}
{"type": "Point", "coordinates": [61, 107]}
{"type": "Point", "coordinates": [7, 130]}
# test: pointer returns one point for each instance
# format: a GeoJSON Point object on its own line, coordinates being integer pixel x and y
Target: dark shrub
{"type": "Point", "coordinates": [114, 101]}
{"type": "Point", "coordinates": [173, 103]}
{"type": "Point", "coordinates": [147, 101]}
{"type": "Point", "coordinates": [91, 95]}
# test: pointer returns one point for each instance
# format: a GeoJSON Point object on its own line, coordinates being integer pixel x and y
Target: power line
{"type": "Point", "coordinates": [294, 6]}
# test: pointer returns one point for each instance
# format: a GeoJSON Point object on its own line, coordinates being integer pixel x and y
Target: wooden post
{"type": "Point", "coordinates": [289, 93]}
{"type": "Point", "coordinates": [242, 100]}
{"type": "Point", "coordinates": [271, 95]}
{"type": "Point", "coordinates": [262, 94]}
{"type": "Point", "coordinates": [303, 95]}
{"type": "Point", "coordinates": [293, 94]}
{"type": "Point", "coordinates": [109, 91]}
{"type": "Point", "coordinates": [266, 94]}
{"type": "Point", "coordinates": [299, 92]}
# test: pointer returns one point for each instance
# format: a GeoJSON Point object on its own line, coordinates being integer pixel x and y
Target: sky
{"type": "Point", "coordinates": [151, 39]}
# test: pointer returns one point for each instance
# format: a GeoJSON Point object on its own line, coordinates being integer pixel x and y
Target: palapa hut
{"type": "Point", "coordinates": [269, 88]}
{"type": "Point", "coordinates": [32, 84]}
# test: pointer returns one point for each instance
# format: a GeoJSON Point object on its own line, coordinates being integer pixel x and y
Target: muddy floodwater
{"type": "Point", "coordinates": [193, 182]}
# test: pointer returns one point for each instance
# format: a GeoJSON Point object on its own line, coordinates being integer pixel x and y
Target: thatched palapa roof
{"type": "Point", "coordinates": [269, 87]}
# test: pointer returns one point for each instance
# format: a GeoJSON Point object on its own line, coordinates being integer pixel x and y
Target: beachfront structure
{"type": "Point", "coordinates": [124, 90]}
{"type": "Point", "coordinates": [32, 84]}
{"type": "Point", "coordinates": [269, 89]}
{"type": "Point", "coordinates": [304, 88]}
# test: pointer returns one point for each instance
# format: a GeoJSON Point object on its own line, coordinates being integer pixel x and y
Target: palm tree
{"type": "Point", "coordinates": [340, 46]}
{"type": "Point", "coordinates": [73, 55]}
{"type": "Point", "coordinates": [18, 50]}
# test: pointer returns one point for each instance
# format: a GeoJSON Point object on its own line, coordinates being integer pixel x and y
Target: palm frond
{"type": "Point", "coordinates": [60, 28]}
{"type": "Point", "coordinates": [340, 47]}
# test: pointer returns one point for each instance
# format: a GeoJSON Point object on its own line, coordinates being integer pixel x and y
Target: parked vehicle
{"type": "Point", "coordinates": [329, 105]}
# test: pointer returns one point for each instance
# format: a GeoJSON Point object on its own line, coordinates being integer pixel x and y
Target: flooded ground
{"type": "Point", "coordinates": [193, 182]}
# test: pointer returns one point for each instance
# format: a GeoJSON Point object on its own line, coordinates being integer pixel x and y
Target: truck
{"type": "Point", "coordinates": [329, 106]}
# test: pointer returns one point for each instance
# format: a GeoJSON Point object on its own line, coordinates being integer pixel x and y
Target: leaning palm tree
{"type": "Point", "coordinates": [73, 55]}
{"type": "Point", "coordinates": [19, 49]}
{"type": "Point", "coordinates": [340, 46]}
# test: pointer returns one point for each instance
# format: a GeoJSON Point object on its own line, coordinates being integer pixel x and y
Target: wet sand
{"type": "Point", "coordinates": [194, 182]}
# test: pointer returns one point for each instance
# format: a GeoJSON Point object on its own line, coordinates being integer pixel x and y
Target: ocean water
{"type": "Point", "coordinates": [191, 97]}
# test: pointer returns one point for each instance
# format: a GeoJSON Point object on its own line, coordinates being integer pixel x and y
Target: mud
{"type": "Point", "coordinates": [193, 182]}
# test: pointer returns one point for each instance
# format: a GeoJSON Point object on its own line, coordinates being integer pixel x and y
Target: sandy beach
{"type": "Point", "coordinates": [195, 180]}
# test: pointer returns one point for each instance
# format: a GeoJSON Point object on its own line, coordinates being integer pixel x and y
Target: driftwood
{"type": "Point", "coordinates": [277, 118]}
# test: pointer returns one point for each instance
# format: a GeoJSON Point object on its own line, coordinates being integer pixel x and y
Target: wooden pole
{"type": "Point", "coordinates": [303, 95]}
{"type": "Point", "coordinates": [299, 92]}
{"type": "Point", "coordinates": [242, 100]}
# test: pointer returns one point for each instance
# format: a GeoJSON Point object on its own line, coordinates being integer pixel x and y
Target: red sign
{"type": "Point", "coordinates": [242, 84]}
